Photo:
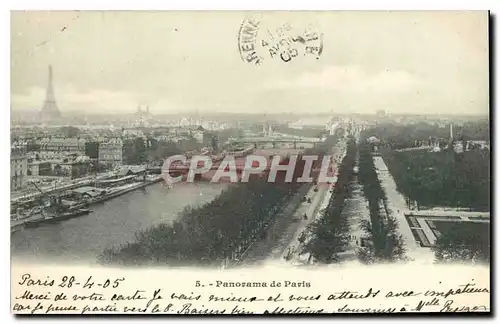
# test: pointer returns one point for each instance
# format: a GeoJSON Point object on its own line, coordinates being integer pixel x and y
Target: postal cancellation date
{"type": "Point", "coordinates": [261, 39]}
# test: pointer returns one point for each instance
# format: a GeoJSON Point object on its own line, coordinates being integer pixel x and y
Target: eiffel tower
{"type": "Point", "coordinates": [49, 109]}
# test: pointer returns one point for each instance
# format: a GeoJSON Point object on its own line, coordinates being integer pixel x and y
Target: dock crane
{"type": "Point", "coordinates": [52, 200]}
{"type": "Point", "coordinates": [38, 188]}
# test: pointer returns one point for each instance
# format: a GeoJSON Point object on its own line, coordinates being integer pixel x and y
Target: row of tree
{"type": "Point", "coordinates": [149, 150]}
{"type": "Point", "coordinates": [400, 136]}
{"type": "Point", "coordinates": [329, 235]}
{"type": "Point", "coordinates": [306, 132]}
{"type": "Point", "coordinates": [220, 230]}
{"type": "Point", "coordinates": [382, 228]}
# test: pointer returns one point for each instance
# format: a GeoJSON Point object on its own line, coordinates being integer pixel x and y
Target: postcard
{"type": "Point", "coordinates": [250, 163]}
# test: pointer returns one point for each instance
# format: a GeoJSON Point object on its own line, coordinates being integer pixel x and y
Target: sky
{"type": "Point", "coordinates": [113, 61]}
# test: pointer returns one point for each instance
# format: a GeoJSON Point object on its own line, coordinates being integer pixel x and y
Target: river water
{"type": "Point", "coordinates": [114, 222]}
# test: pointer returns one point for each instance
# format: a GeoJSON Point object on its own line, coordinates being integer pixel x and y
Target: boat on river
{"type": "Point", "coordinates": [51, 218]}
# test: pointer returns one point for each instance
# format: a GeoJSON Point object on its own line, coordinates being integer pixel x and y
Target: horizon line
{"type": "Point", "coordinates": [196, 112]}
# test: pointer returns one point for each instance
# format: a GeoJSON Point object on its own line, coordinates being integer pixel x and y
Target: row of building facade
{"type": "Point", "coordinates": [74, 157]}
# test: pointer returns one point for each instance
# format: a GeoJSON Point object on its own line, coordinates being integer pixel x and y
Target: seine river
{"type": "Point", "coordinates": [111, 223]}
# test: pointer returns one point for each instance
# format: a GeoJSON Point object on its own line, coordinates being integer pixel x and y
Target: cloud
{"type": "Point", "coordinates": [351, 79]}
{"type": "Point", "coordinates": [31, 98]}
{"type": "Point", "coordinates": [70, 98]}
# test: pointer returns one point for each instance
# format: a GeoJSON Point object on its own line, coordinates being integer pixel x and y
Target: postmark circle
{"type": "Point", "coordinates": [260, 40]}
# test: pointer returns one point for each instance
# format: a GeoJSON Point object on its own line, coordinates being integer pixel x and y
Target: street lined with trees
{"type": "Point", "coordinates": [329, 235]}
{"type": "Point", "coordinates": [382, 229]}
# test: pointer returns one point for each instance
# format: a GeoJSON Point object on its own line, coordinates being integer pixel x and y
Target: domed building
{"type": "Point", "coordinates": [373, 140]}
